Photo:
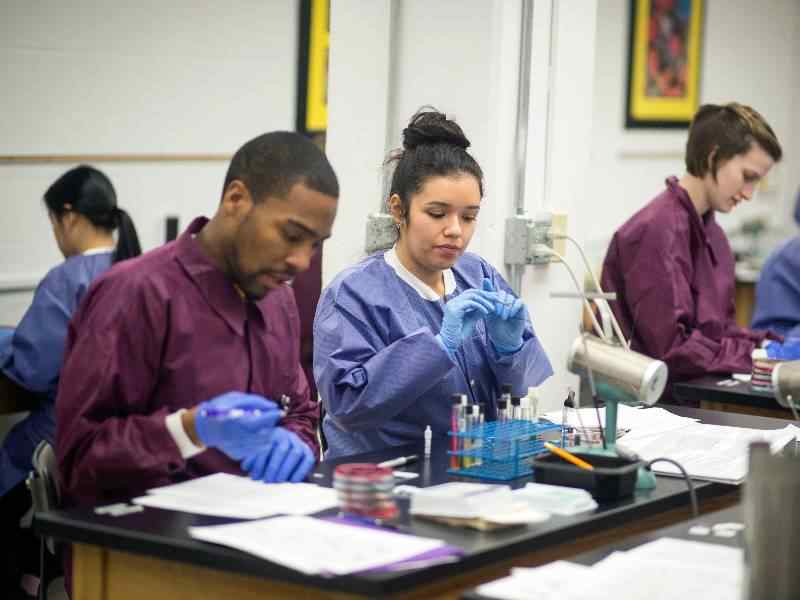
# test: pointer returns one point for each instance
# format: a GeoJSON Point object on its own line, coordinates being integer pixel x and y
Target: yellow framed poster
{"type": "Point", "coordinates": [664, 54]}
{"type": "Point", "coordinates": [312, 80]}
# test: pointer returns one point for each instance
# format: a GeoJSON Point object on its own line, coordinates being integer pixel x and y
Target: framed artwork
{"type": "Point", "coordinates": [663, 63]}
{"type": "Point", "coordinates": [312, 71]}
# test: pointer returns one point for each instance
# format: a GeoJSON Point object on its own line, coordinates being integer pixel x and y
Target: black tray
{"type": "Point", "coordinates": [613, 477]}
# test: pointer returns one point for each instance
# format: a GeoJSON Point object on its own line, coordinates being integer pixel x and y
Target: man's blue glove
{"type": "Point", "coordinates": [237, 424]}
{"type": "Point", "coordinates": [789, 350]}
{"type": "Point", "coordinates": [460, 315]}
{"type": "Point", "coordinates": [285, 458]}
{"type": "Point", "coordinates": [506, 323]}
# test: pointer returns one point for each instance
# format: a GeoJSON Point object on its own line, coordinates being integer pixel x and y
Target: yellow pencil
{"type": "Point", "coordinates": [568, 456]}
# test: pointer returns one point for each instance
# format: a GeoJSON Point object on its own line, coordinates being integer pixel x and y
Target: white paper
{"type": "Point", "coordinates": [462, 500]}
{"type": "Point", "coordinates": [661, 570]}
{"type": "Point", "coordinates": [225, 495]}
{"type": "Point", "coordinates": [315, 546]}
{"type": "Point", "coordinates": [640, 422]}
{"type": "Point", "coordinates": [710, 452]}
{"type": "Point", "coordinates": [493, 503]}
{"type": "Point", "coordinates": [524, 584]}
{"type": "Point", "coordinates": [555, 499]}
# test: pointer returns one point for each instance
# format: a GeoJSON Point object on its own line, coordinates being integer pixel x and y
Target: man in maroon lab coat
{"type": "Point", "coordinates": [671, 265]}
{"type": "Point", "coordinates": [176, 361]}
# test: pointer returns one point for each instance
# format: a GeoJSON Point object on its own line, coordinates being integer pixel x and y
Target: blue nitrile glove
{"type": "Point", "coordinates": [460, 315]}
{"type": "Point", "coordinates": [789, 350]}
{"type": "Point", "coordinates": [237, 424]}
{"type": "Point", "coordinates": [506, 323]}
{"type": "Point", "coordinates": [285, 458]}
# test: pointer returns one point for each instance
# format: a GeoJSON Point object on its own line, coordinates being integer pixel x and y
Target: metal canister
{"type": "Point", "coordinates": [635, 374]}
{"type": "Point", "coordinates": [772, 523]}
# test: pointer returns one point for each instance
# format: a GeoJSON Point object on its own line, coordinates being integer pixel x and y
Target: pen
{"type": "Point", "coordinates": [568, 456]}
{"type": "Point", "coordinates": [400, 460]}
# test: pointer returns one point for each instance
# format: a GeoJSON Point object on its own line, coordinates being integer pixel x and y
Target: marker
{"type": "Point", "coordinates": [400, 460]}
{"type": "Point", "coordinates": [568, 456]}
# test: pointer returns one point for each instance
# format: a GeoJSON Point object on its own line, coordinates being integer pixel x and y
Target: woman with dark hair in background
{"type": "Point", "coordinates": [82, 207]}
{"type": "Point", "coordinates": [396, 335]}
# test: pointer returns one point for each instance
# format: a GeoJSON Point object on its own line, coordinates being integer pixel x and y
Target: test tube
{"type": "Point", "coordinates": [456, 422]}
{"type": "Point", "coordinates": [477, 441]}
{"type": "Point", "coordinates": [502, 410]}
{"type": "Point", "coordinates": [505, 391]}
{"type": "Point", "coordinates": [466, 442]}
{"type": "Point", "coordinates": [524, 409]}
{"type": "Point", "coordinates": [533, 404]}
{"type": "Point", "coordinates": [515, 411]}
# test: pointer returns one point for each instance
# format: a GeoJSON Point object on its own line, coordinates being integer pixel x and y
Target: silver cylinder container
{"type": "Point", "coordinates": [772, 525]}
{"type": "Point", "coordinates": [786, 381]}
{"type": "Point", "coordinates": [639, 375]}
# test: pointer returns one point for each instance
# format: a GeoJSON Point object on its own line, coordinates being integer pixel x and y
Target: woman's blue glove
{"type": "Point", "coordinates": [460, 315]}
{"type": "Point", "coordinates": [506, 323]}
{"type": "Point", "coordinates": [789, 350]}
{"type": "Point", "coordinates": [285, 458]}
{"type": "Point", "coordinates": [237, 424]}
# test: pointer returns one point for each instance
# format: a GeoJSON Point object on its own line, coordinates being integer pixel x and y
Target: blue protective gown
{"type": "Point", "coordinates": [778, 291]}
{"type": "Point", "coordinates": [32, 357]}
{"type": "Point", "coordinates": [382, 375]}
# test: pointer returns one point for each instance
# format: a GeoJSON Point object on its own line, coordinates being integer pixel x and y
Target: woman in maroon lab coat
{"type": "Point", "coordinates": [671, 265]}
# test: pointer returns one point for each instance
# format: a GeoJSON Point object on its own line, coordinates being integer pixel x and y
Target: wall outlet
{"type": "Point", "coordinates": [559, 226]}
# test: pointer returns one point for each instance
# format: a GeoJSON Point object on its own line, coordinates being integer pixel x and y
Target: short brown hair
{"type": "Point", "coordinates": [730, 129]}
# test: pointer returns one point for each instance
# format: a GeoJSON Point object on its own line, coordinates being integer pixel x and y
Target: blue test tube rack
{"type": "Point", "coordinates": [501, 450]}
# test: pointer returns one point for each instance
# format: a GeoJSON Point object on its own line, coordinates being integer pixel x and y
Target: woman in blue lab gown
{"type": "Point", "coordinates": [83, 211]}
{"type": "Point", "coordinates": [385, 361]}
{"type": "Point", "coordinates": [778, 289]}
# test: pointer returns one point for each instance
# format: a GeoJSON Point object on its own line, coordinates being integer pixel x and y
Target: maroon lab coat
{"type": "Point", "coordinates": [159, 333]}
{"type": "Point", "coordinates": [673, 272]}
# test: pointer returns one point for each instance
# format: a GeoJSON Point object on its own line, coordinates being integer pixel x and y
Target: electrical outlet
{"type": "Point", "coordinates": [559, 227]}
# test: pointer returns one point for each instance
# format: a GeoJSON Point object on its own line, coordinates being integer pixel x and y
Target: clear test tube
{"type": "Point", "coordinates": [466, 441]}
{"type": "Point", "coordinates": [477, 441]}
{"type": "Point", "coordinates": [524, 409]}
{"type": "Point", "coordinates": [533, 404]}
{"type": "Point", "coordinates": [502, 410]}
{"type": "Point", "coordinates": [515, 409]}
{"type": "Point", "coordinates": [505, 393]}
{"type": "Point", "coordinates": [456, 423]}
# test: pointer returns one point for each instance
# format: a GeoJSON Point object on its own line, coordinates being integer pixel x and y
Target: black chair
{"type": "Point", "coordinates": [45, 494]}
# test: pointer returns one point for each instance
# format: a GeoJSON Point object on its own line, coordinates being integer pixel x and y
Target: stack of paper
{"type": "Point", "coordinates": [664, 569]}
{"type": "Point", "coordinates": [555, 499]}
{"type": "Point", "coordinates": [315, 546]}
{"type": "Point", "coordinates": [710, 452]}
{"type": "Point", "coordinates": [226, 495]}
{"type": "Point", "coordinates": [477, 505]}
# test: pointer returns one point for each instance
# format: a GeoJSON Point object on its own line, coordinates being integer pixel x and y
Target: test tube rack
{"type": "Point", "coordinates": [500, 450]}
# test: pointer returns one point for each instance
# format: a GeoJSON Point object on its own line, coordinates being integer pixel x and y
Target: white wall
{"type": "Point", "coordinates": [750, 54]}
{"type": "Point", "coordinates": [94, 77]}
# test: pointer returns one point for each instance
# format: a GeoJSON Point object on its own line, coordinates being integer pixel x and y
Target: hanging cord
{"type": "Point", "coordinates": [689, 483]}
{"type": "Point", "coordinates": [614, 323]}
{"type": "Point", "coordinates": [601, 333]}
{"type": "Point", "coordinates": [598, 329]}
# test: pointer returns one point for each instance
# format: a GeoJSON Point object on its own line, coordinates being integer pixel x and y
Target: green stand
{"type": "Point", "coordinates": [612, 397]}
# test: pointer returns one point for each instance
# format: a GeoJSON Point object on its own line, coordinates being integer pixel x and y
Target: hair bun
{"type": "Point", "coordinates": [429, 127]}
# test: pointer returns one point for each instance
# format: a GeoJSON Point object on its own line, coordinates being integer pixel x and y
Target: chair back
{"type": "Point", "coordinates": [43, 483]}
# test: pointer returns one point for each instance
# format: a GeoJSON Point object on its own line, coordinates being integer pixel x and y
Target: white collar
{"type": "Point", "coordinates": [422, 288]}
{"type": "Point", "coordinates": [101, 250]}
